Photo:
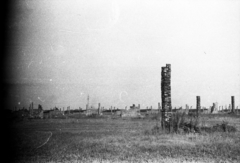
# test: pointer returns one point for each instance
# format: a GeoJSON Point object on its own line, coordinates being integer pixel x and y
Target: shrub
{"type": "Point", "coordinates": [223, 127]}
{"type": "Point", "coordinates": [181, 122]}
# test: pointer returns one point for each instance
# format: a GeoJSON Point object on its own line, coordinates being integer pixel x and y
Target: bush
{"type": "Point", "coordinates": [224, 127]}
{"type": "Point", "coordinates": [180, 123]}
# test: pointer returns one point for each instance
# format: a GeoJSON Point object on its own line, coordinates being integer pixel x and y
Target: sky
{"type": "Point", "coordinates": [61, 51]}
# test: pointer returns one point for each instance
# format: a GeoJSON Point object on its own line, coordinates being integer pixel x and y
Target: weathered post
{"type": "Point", "coordinates": [159, 108]}
{"type": "Point", "coordinates": [187, 108]}
{"type": "Point", "coordinates": [31, 109]}
{"type": "Point", "coordinates": [99, 107]}
{"type": "Point", "coordinates": [166, 97]}
{"type": "Point", "coordinates": [198, 105]}
{"type": "Point", "coordinates": [213, 108]}
{"type": "Point", "coordinates": [216, 106]}
{"type": "Point", "coordinates": [233, 104]}
{"type": "Point", "coordinates": [139, 106]}
{"type": "Point", "coordinates": [68, 110]}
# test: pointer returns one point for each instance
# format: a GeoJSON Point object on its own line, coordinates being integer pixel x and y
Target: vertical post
{"type": "Point", "coordinates": [216, 106]}
{"type": "Point", "coordinates": [111, 109]}
{"type": "Point", "coordinates": [99, 105]}
{"type": "Point", "coordinates": [233, 104]}
{"type": "Point", "coordinates": [198, 105]}
{"type": "Point", "coordinates": [166, 97]}
{"type": "Point", "coordinates": [159, 107]}
{"type": "Point", "coordinates": [31, 109]}
{"type": "Point", "coordinates": [168, 87]}
{"type": "Point", "coordinates": [87, 105]}
{"type": "Point", "coordinates": [139, 106]}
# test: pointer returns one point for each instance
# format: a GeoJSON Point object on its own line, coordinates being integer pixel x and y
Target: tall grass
{"type": "Point", "coordinates": [180, 123]}
{"type": "Point", "coordinates": [123, 140]}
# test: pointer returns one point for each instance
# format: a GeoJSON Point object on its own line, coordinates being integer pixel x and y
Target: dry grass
{"type": "Point", "coordinates": [121, 140]}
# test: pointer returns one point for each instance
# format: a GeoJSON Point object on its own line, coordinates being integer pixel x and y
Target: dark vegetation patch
{"type": "Point", "coordinates": [183, 123]}
{"type": "Point", "coordinates": [81, 139]}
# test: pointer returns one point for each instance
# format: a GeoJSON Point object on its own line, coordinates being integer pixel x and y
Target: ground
{"type": "Point", "coordinates": [119, 140]}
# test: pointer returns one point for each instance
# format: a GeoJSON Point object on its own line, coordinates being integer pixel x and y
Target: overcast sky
{"type": "Point", "coordinates": [62, 50]}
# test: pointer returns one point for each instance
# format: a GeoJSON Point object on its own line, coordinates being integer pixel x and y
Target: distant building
{"type": "Point", "coordinates": [36, 113]}
{"type": "Point", "coordinates": [132, 112]}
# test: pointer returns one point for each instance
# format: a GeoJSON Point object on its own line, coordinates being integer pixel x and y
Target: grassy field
{"type": "Point", "coordinates": [119, 140]}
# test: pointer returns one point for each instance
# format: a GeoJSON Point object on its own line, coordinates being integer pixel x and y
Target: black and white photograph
{"type": "Point", "coordinates": [120, 81]}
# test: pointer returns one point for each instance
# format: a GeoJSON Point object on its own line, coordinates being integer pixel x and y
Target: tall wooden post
{"type": "Point", "coordinates": [68, 108]}
{"type": "Point", "coordinates": [159, 107]}
{"type": "Point", "coordinates": [233, 104]}
{"type": "Point", "coordinates": [99, 105]}
{"type": "Point", "coordinates": [31, 109]}
{"type": "Point", "coordinates": [166, 96]}
{"type": "Point", "coordinates": [87, 106]}
{"type": "Point", "coordinates": [139, 106]}
{"type": "Point", "coordinates": [198, 105]}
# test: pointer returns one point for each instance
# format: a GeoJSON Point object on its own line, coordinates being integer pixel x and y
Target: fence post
{"type": "Point", "coordinates": [68, 110]}
{"type": "Point", "coordinates": [99, 105]}
{"type": "Point", "coordinates": [159, 108]}
{"type": "Point", "coordinates": [233, 104]}
{"type": "Point", "coordinates": [166, 97]}
{"type": "Point", "coordinates": [198, 105]}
